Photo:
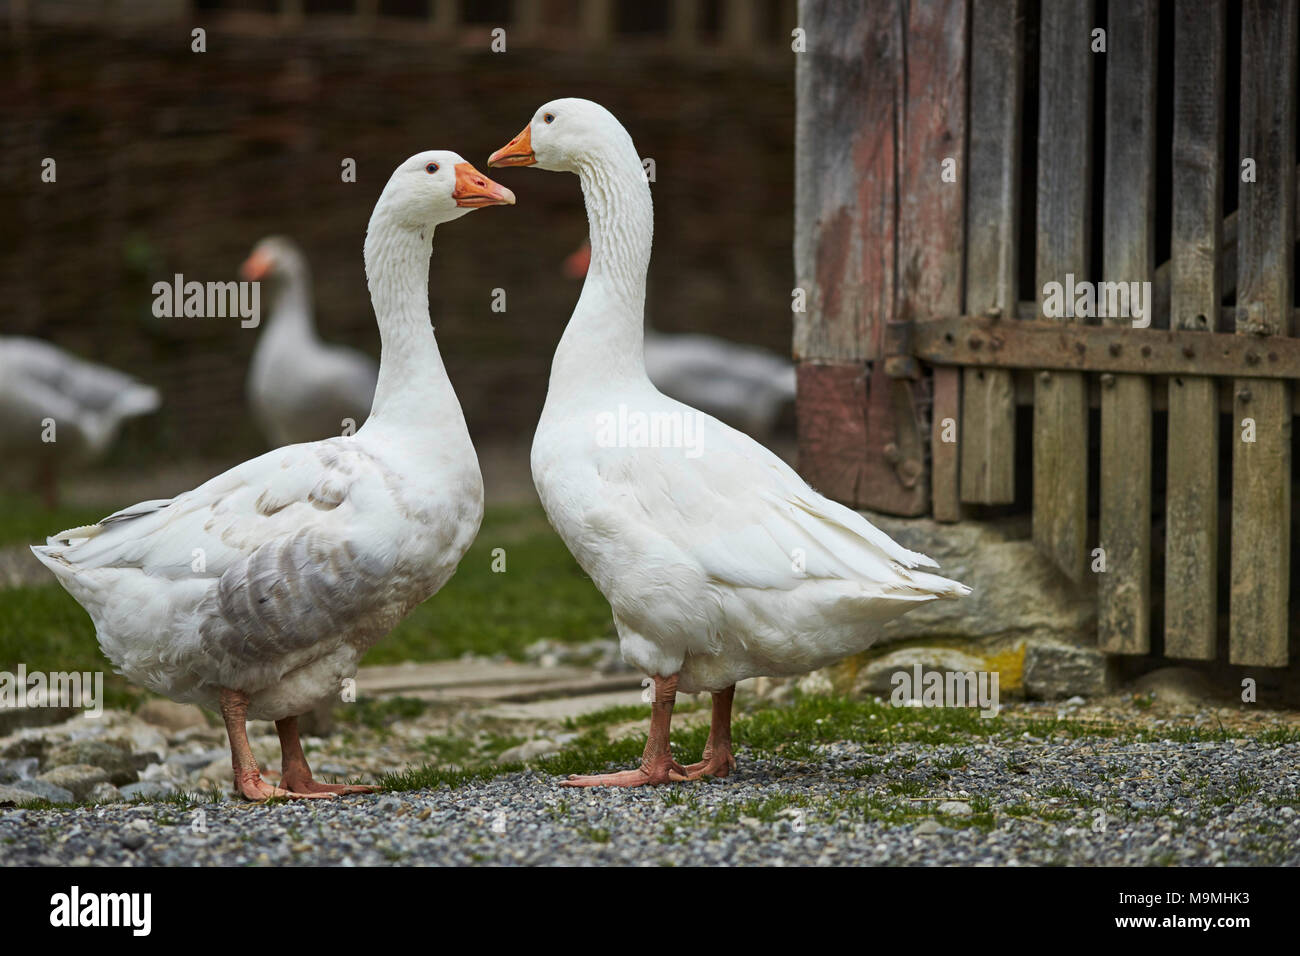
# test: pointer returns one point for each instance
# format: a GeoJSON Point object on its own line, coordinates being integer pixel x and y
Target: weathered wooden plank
{"type": "Point", "coordinates": [1261, 469]}
{"type": "Point", "coordinates": [850, 99]}
{"type": "Point", "coordinates": [946, 436]}
{"type": "Point", "coordinates": [988, 419]}
{"type": "Point", "coordinates": [1192, 477]}
{"type": "Point", "coordinates": [1063, 230]}
{"type": "Point", "coordinates": [1128, 255]}
{"type": "Point", "coordinates": [858, 437]}
{"type": "Point", "coordinates": [1227, 263]}
{"type": "Point", "coordinates": [932, 210]}
{"type": "Point", "coordinates": [981, 342]}
{"type": "Point", "coordinates": [846, 144]}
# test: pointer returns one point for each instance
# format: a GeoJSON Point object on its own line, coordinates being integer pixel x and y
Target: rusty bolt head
{"type": "Point", "coordinates": [1107, 380]}
{"type": "Point", "coordinates": [891, 453]}
{"type": "Point", "coordinates": [1044, 377]}
{"type": "Point", "coordinates": [1189, 352]}
{"type": "Point", "coordinates": [1243, 395]}
{"type": "Point", "coordinates": [1114, 348]}
{"type": "Point", "coordinates": [1252, 358]}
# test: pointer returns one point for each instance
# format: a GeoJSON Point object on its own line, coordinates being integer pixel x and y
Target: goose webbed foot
{"type": "Point", "coordinates": [295, 773]}
{"type": "Point", "coordinates": [662, 770]}
{"type": "Point", "coordinates": [657, 763]}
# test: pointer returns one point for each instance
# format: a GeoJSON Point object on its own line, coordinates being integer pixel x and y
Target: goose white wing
{"type": "Point", "coordinates": [735, 512]}
{"type": "Point", "coordinates": [260, 562]}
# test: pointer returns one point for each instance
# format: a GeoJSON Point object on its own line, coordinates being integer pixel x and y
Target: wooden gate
{"type": "Point", "coordinates": [955, 159]}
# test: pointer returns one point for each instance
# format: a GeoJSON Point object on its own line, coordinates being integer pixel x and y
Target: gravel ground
{"type": "Point", "coordinates": [1017, 801]}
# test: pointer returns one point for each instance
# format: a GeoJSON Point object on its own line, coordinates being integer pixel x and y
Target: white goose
{"type": "Point", "coordinates": [744, 385]}
{"type": "Point", "coordinates": [257, 592]}
{"type": "Point", "coordinates": [719, 561]}
{"type": "Point", "coordinates": [300, 388]}
{"type": "Point", "coordinates": [40, 385]}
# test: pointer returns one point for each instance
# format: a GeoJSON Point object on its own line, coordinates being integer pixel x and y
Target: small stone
{"type": "Point", "coordinates": [816, 684]}
{"type": "Point", "coordinates": [29, 790]}
{"type": "Point", "coordinates": [104, 793]}
{"type": "Point", "coordinates": [1055, 670]}
{"type": "Point", "coordinates": [171, 716]}
{"type": "Point", "coordinates": [530, 750]}
{"type": "Point", "coordinates": [21, 768]}
{"type": "Point", "coordinates": [79, 778]}
{"type": "Point", "coordinates": [112, 759]}
{"type": "Point", "coordinates": [955, 808]}
{"type": "Point", "coordinates": [927, 828]}
{"type": "Point", "coordinates": [133, 841]}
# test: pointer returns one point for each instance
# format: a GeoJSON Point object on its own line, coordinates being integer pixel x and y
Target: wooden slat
{"type": "Point", "coordinates": [988, 419]}
{"type": "Point", "coordinates": [980, 342]}
{"type": "Point", "coordinates": [738, 26]}
{"type": "Point", "coordinates": [842, 410]}
{"type": "Point", "coordinates": [1063, 230]}
{"type": "Point", "coordinates": [1192, 481]}
{"type": "Point", "coordinates": [848, 95]}
{"type": "Point", "coordinates": [1261, 470]}
{"type": "Point", "coordinates": [597, 19]}
{"type": "Point", "coordinates": [1129, 196]}
{"type": "Point", "coordinates": [685, 25]}
{"type": "Point", "coordinates": [932, 209]}
{"type": "Point", "coordinates": [845, 157]}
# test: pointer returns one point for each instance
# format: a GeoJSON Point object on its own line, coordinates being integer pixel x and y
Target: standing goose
{"type": "Point", "coordinates": [41, 386]}
{"type": "Point", "coordinates": [257, 592]}
{"type": "Point", "coordinates": [718, 560]}
{"type": "Point", "coordinates": [300, 388]}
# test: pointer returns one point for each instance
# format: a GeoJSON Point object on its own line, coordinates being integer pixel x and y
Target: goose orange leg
{"type": "Point", "coordinates": [657, 764]}
{"type": "Point", "coordinates": [294, 772]}
{"type": "Point", "coordinates": [248, 779]}
{"type": "Point", "coordinates": [718, 761]}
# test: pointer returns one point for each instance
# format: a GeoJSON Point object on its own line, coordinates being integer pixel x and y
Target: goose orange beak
{"type": "Point", "coordinates": [256, 266]}
{"type": "Point", "coordinates": [517, 152]}
{"type": "Point", "coordinates": [473, 189]}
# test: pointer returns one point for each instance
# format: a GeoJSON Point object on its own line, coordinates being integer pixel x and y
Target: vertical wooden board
{"type": "Point", "coordinates": [1192, 480]}
{"type": "Point", "coordinates": [946, 439]}
{"type": "Point", "coordinates": [844, 410]}
{"type": "Point", "coordinates": [849, 113]}
{"type": "Point", "coordinates": [988, 419]}
{"type": "Point", "coordinates": [846, 145]}
{"type": "Point", "coordinates": [1261, 470]}
{"type": "Point", "coordinates": [932, 208]}
{"type": "Point", "coordinates": [1060, 451]}
{"type": "Point", "coordinates": [1129, 196]}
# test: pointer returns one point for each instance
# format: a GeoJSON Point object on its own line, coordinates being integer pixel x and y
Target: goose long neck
{"type": "Point", "coordinates": [607, 329]}
{"type": "Point", "coordinates": [413, 386]}
{"type": "Point", "coordinates": [291, 303]}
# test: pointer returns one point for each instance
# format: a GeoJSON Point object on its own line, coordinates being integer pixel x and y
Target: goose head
{"type": "Point", "coordinates": [274, 258]}
{"type": "Point", "coordinates": [434, 187]}
{"type": "Point", "coordinates": [565, 135]}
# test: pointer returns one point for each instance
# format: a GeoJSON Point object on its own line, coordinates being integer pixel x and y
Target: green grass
{"type": "Point", "coordinates": [25, 520]}
{"type": "Point", "coordinates": [45, 629]}
{"type": "Point", "coordinates": [541, 594]}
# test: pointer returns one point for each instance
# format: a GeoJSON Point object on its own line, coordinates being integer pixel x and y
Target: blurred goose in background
{"type": "Point", "coordinates": [300, 388]}
{"type": "Point", "coordinates": [257, 593]}
{"type": "Point", "coordinates": [720, 563]}
{"type": "Point", "coordinates": [46, 393]}
{"type": "Point", "coordinates": [744, 385]}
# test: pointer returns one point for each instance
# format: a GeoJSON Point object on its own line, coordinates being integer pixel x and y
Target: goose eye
{"type": "Point", "coordinates": [549, 117]}
{"type": "Point", "coordinates": [431, 168]}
